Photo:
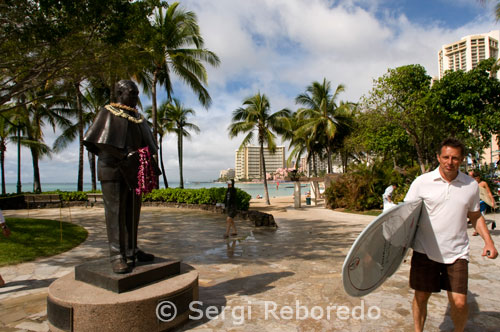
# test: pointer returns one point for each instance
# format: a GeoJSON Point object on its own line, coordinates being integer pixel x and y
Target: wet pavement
{"type": "Point", "coordinates": [285, 279]}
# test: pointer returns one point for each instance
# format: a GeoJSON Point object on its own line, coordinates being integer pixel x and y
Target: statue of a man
{"type": "Point", "coordinates": [116, 136]}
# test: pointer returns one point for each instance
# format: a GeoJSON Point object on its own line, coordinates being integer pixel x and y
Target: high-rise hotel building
{"type": "Point", "coordinates": [247, 161]}
{"type": "Point", "coordinates": [466, 53]}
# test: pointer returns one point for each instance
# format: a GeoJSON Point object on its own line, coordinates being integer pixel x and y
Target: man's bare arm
{"type": "Point", "coordinates": [479, 224]}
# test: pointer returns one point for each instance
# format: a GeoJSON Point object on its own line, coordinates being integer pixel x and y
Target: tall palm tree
{"type": "Point", "coordinates": [19, 120]}
{"type": "Point", "coordinates": [74, 104]}
{"type": "Point", "coordinates": [97, 95]}
{"type": "Point", "coordinates": [176, 46]}
{"type": "Point", "coordinates": [7, 129]}
{"type": "Point", "coordinates": [38, 113]}
{"type": "Point", "coordinates": [85, 108]}
{"type": "Point", "coordinates": [178, 115]}
{"type": "Point", "coordinates": [256, 116]}
{"type": "Point", "coordinates": [164, 126]}
{"type": "Point", "coordinates": [322, 114]}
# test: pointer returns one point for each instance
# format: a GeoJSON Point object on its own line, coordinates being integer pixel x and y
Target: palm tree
{"type": "Point", "coordinates": [178, 116]}
{"type": "Point", "coordinates": [38, 113]}
{"type": "Point", "coordinates": [164, 126]}
{"type": "Point", "coordinates": [256, 116]}
{"type": "Point", "coordinates": [6, 130]}
{"type": "Point", "coordinates": [75, 130]}
{"type": "Point", "coordinates": [97, 95]}
{"type": "Point", "coordinates": [176, 46]}
{"type": "Point", "coordinates": [322, 114]}
{"type": "Point", "coordinates": [18, 122]}
{"type": "Point", "coordinates": [85, 107]}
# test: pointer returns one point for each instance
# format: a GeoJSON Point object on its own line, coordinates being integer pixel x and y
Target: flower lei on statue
{"type": "Point", "coordinates": [117, 110]}
{"type": "Point", "coordinates": [146, 177]}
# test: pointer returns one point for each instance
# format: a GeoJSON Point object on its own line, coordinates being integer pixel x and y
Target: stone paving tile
{"type": "Point", "coordinates": [243, 278]}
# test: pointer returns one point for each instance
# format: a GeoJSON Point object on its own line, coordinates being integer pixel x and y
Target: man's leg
{"type": "Point", "coordinates": [228, 226]}
{"type": "Point", "coordinates": [115, 225]}
{"type": "Point", "coordinates": [420, 309]}
{"type": "Point", "coordinates": [456, 279]}
{"type": "Point", "coordinates": [459, 310]}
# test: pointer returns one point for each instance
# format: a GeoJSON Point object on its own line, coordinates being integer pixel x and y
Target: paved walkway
{"type": "Point", "coordinates": [295, 269]}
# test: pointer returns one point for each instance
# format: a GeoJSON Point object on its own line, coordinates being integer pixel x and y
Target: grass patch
{"type": "Point", "coordinates": [365, 213]}
{"type": "Point", "coordinates": [34, 238]}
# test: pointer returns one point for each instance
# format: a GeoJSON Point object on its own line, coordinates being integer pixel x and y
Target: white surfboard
{"type": "Point", "coordinates": [380, 248]}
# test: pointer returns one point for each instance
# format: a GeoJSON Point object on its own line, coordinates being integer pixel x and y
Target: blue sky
{"type": "Point", "coordinates": [279, 47]}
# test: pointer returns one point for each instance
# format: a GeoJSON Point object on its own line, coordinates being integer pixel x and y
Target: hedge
{"type": "Point", "coordinates": [197, 196]}
{"type": "Point", "coordinates": [178, 195]}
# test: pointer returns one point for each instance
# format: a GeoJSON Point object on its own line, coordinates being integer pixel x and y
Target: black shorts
{"type": "Point", "coordinates": [231, 213]}
{"type": "Point", "coordinates": [429, 276]}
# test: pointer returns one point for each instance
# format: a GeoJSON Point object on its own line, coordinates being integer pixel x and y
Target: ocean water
{"type": "Point", "coordinates": [253, 189]}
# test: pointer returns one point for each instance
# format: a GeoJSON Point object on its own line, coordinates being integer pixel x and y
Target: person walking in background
{"type": "Point", "coordinates": [387, 197]}
{"type": "Point", "coordinates": [485, 196]}
{"type": "Point", "coordinates": [441, 246]}
{"type": "Point", "coordinates": [6, 233]}
{"type": "Point", "coordinates": [230, 203]}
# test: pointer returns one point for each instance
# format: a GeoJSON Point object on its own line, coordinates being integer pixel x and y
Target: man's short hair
{"type": "Point", "coordinates": [454, 143]}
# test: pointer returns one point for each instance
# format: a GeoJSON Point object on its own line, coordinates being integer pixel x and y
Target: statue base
{"type": "Point", "coordinates": [99, 273]}
{"type": "Point", "coordinates": [74, 305]}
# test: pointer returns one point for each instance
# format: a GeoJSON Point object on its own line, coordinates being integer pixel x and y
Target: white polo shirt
{"type": "Point", "coordinates": [442, 230]}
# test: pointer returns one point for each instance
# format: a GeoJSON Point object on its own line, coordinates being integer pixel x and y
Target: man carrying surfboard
{"type": "Point", "coordinates": [441, 247]}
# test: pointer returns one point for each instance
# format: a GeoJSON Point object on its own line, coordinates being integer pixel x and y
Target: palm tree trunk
{"type": "Point", "coordinates": [344, 160]}
{"type": "Point", "coordinates": [80, 137]}
{"type": "Point", "coordinates": [154, 112]}
{"type": "Point", "coordinates": [2, 164]}
{"type": "Point", "coordinates": [93, 174]}
{"type": "Point", "coordinates": [19, 187]}
{"type": "Point", "coordinates": [37, 186]}
{"type": "Point", "coordinates": [165, 182]}
{"type": "Point", "coordinates": [315, 169]}
{"type": "Point", "coordinates": [179, 152]}
{"type": "Point", "coordinates": [154, 105]}
{"type": "Point", "coordinates": [329, 161]}
{"type": "Point", "coordinates": [263, 168]}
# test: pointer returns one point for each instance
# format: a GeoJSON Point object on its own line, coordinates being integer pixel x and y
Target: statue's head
{"type": "Point", "coordinates": [127, 93]}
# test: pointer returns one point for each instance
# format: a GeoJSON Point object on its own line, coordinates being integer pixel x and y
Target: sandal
{"type": "Point", "coordinates": [234, 234]}
{"type": "Point", "coordinates": [475, 234]}
{"type": "Point", "coordinates": [226, 236]}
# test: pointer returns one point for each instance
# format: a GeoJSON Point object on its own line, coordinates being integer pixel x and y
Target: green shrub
{"type": "Point", "coordinates": [197, 196]}
{"type": "Point", "coordinates": [361, 188]}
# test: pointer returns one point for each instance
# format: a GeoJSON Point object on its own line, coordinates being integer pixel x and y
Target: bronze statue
{"type": "Point", "coordinates": [117, 135]}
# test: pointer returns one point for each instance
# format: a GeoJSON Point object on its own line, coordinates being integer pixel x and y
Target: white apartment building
{"type": "Point", "coordinates": [227, 174]}
{"type": "Point", "coordinates": [247, 161]}
{"type": "Point", "coordinates": [466, 53]}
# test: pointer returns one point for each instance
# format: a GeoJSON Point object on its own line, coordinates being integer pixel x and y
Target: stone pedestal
{"type": "Point", "coordinates": [296, 194]}
{"type": "Point", "coordinates": [99, 273]}
{"type": "Point", "coordinates": [74, 305]}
